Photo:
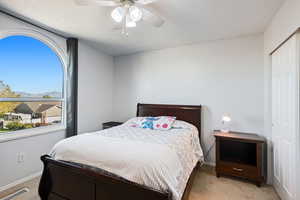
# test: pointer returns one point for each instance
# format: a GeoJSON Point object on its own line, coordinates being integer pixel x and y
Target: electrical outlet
{"type": "Point", "coordinates": [20, 157]}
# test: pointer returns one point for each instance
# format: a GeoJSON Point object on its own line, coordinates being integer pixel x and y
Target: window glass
{"type": "Point", "coordinates": [31, 84]}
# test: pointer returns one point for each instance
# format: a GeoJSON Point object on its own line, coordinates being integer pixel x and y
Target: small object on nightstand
{"type": "Point", "coordinates": [226, 119]}
{"type": "Point", "coordinates": [111, 124]}
{"type": "Point", "coordinates": [241, 155]}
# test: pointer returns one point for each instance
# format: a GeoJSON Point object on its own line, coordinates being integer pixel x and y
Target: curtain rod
{"type": "Point", "coordinates": [29, 22]}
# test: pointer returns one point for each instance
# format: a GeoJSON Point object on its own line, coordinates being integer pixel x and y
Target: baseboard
{"type": "Point", "coordinates": [20, 181]}
{"type": "Point", "coordinates": [280, 190]}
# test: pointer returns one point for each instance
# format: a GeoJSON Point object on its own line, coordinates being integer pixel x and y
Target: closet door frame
{"type": "Point", "coordinates": [298, 124]}
{"type": "Point", "coordinates": [295, 36]}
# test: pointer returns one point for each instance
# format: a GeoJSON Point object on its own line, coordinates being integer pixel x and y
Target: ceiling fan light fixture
{"type": "Point", "coordinates": [135, 13]}
{"type": "Point", "coordinates": [129, 22]}
{"type": "Point", "coordinates": [117, 14]}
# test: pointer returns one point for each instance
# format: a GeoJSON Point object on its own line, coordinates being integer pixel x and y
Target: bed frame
{"type": "Point", "coordinates": [63, 180]}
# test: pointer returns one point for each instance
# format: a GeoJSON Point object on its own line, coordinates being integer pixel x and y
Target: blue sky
{"type": "Point", "coordinates": [28, 65]}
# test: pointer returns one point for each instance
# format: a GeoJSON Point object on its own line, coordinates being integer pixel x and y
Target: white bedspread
{"type": "Point", "coordinates": [162, 160]}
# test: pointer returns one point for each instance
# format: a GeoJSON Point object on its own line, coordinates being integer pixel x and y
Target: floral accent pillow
{"type": "Point", "coordinates": [164, 123]}
{"type": "Point", "coordinates": [154, 123]}
{"type": "Point", "coordinates": [148, 122]}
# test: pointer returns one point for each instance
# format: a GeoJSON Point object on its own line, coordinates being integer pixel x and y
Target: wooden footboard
{"type": "Point", "coordinates": [63, 180]}
{"type": "Point", "coordinates": [70, 181]}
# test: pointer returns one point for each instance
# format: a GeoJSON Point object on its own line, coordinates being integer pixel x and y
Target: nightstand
{"type": "Point", "coordinates": [241, 155]}
{"type": "Point", "coordinates": [111, 124]}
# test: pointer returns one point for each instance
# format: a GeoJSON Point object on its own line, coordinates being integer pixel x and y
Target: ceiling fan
{"type": "Point", "coordinates": [128, 12]}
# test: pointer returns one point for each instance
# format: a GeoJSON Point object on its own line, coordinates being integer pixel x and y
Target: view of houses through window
{"type": "Point", "coordinates": [31, 84]}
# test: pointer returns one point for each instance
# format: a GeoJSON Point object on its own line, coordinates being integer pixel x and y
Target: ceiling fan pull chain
{"type": "Point", "coordinates": [124, 29]}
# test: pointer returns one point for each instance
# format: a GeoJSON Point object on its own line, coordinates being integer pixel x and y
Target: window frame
{"type": "Point", "coordinates": [62, 55]}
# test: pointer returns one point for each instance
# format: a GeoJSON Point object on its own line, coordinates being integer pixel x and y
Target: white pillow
{"type": "Point", "coordinates": [135, 122]}
{"type": "Point", "coordinates": [179, 124]}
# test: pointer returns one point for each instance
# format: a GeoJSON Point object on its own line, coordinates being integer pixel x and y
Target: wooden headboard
{"type": "Point", "coordinates": [188, 113]}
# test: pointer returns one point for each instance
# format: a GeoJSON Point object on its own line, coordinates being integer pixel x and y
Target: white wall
{"type": "Point", "coordinates": [284, 23]}
{"type": "Point", "coordinates": [224, 76]}
{"type": "Point", "coordinates": [94, 88]}
{"type": "Point", "coordinates": [8, 23]}
{"type": "Point", "coordinates": [95, 103]}
{"type": "Point", "coordinates": [31, 147]}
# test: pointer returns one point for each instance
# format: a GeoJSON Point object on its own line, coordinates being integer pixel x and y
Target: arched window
{"type": "Point", "coordinates": [31, 84]}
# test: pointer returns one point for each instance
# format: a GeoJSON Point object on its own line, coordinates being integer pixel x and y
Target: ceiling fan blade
{"type": "Point", "coordinates": [152, 18]}
{"type": "Point", "coordinates": [106, 3]}
{"type": "Point", "coordinates": [144, 2]}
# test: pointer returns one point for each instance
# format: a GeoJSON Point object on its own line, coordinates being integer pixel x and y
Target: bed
{"type": "Point", "coordinates": [64, 179]}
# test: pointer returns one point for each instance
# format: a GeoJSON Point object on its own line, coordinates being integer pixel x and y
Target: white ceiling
{"type": "Point", "coordinates": [187, 21]}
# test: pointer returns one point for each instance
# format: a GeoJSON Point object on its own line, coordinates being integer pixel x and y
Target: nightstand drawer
{"type": "Point", "coordinates": [240, 170]}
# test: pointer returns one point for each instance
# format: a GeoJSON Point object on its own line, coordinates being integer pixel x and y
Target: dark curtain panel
{"type": "Point", "coordinates": [72, 86]}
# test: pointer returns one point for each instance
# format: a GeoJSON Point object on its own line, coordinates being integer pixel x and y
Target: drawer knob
{"type": "Point", "coordinates": [238, 169]}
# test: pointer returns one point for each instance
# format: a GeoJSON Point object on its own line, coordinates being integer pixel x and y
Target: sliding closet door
{"type": "Point", "coordinates": [285, 118]}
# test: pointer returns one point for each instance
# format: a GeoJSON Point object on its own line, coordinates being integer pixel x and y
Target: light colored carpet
{"type": "Point", "coordinates": [206, 187]}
